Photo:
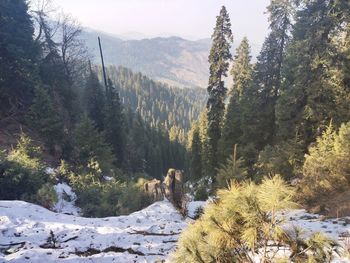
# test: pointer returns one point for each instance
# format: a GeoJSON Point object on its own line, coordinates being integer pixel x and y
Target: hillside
{"type": "Point", "coordinates": [158, 103]}
{"type": "Point", "coordinates": [173, 60]}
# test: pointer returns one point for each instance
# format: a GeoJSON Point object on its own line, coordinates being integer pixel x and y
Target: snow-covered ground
{"type": "Point", "coordinates": [148, 235]}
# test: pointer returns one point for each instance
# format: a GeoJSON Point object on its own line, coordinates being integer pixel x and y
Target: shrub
{"type": "Point", "coordinates": [21, 171]}
{"type": "Point", "coordinates": [232, 170]}
{"type": "Point", "coordinates": [201, 193]}
{"type": "Point", "coordinates": [239, 226]}
{"type": "Point", "coordinates": [285, 159]}
{"type": "Point", "coordinates": [98, 198]}
{"type": "Point", "coordinates": [327, 166]}
{"type": "Point", "coordinates": [46, 196]}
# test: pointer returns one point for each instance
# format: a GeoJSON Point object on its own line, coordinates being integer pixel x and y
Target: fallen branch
{"type": "Point", "coordinates": [94, 251]}
{"type": "Point", "coordinates": [145, 233]}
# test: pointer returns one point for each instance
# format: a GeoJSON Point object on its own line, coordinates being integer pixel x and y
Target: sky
{"type": "Point", "coordinates": [191, 19]}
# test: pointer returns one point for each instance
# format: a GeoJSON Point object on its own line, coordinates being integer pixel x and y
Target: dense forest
{"type": "Point", "coordinates": [160, 105]}
{"type": "Point", "coordinates": [129, 129]}
{"type": "Point", "coordinates": [281, 140]}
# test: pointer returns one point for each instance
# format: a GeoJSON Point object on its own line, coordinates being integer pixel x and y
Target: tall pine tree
{"type": "Point", "coordinates": [195, 153]}
{"type": "Point", "coordinates": [18, 56]}
{"type": "Point", "coordinates": [94, 99]}
{"type": "Point", "coordinates": [114, 123]}
{"type": "Point", "coordinates": [219, 63]}
{"type": "Point", "coordinates": [260, 100]}
{"type": "Point", "coordinates": [241, 73]}
{"type": "Point", "coordinates": [313, 92]}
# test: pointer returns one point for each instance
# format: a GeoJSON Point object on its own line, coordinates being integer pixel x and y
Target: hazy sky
{"type": "Point", "coordinates": [186, 18]}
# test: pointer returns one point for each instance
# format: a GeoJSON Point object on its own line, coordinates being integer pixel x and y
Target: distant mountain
{"type": "Point", "coordinates": [172, 60]}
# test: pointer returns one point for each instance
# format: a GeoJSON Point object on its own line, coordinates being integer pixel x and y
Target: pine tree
{"type": "Point", "coordinates": [19, 54]}
{"type": "Point", "coordinates": [45, 119]}
{"type": "Point", "coordinates": [195, 153]}
{"type": "Point", "coordinates": [95, 100]}
{"type": "Point", "coordinates": [90, 147]}
{"type": "Point", "coordinates": [241, 73]}
{"type": "Point", "coordinates": [114, 123]}
{"type": "Point", "coordinates": [260, 99]}
{"type": "Point", "coordinates": [219, 63]}
{"type": "Point", "coordinates": [233, 169]}
{"type": "Point", "coordinates": [313, 91]}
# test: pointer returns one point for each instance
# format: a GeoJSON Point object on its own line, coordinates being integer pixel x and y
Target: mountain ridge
{"type": "Point", "coordinates": [173, 60]}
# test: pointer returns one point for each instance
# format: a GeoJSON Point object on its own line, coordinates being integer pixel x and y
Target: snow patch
{"type": "Point", "coordinates": [66, 200]}
{"type": "Point", "coordinates": [144, 236]}
{"type": "Point", "coordinates": [193, 206]}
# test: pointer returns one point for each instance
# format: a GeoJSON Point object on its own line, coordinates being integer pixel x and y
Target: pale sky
{"type": "Point", "coordinates": [186, 18]}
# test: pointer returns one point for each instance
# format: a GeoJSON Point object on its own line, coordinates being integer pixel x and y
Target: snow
{"type": "Point", "coordinates": [148, 235]}
{"type": "Point", "coordinates": [66, 200]}
{"type": "Point", "coordinates": [193, 206]}
{"type": "Point", "coordinates": [49, 170]}
{"type": "Point", "coordinates": [144, 236]}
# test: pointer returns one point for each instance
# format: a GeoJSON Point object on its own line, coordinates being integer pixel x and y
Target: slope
{"type": "Point", "coordinates": [173, 60]}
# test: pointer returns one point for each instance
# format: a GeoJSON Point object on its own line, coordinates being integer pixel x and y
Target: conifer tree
{"type": "Point", "coordinates": [45, 119]}
{"type": "Point", "coordinates": [241, 73]}
{"type": "Point", "coordinates": [260, 99]}
{"type": "Point", "coordinates": [114, 123]}
{"type": "Point", "coordinates": [19, 54]}
{"type": "Point", "coordinates": [195, 153]}
{"type": "Point", "coordinates": [95, 100]}
{"type": "Point", "coordinates": [313, 91]}
{"type": "Point", "coordinates": [219, 63]}
{"type": "Point", "coordinates": [90, 146]}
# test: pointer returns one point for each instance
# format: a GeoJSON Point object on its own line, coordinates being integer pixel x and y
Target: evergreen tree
{"type": "Point", "coordinates": [19, 54]}
{"type": "Point", "coordinates": [45, 119]}
{"type": "Point", "coordinates": [219, 63]}
{"type": "Point", "coordinates": [95, 100]}
{"type": "Point", "coordinates": [203, 133]}
{"type": "Point", "coordinates": [233, 170]}
{"type": "Point", "coordinates": [313, 91]}
{"type": "Point", "coordinates": [114, 123]}
{"type": "Point", "coordinates": [90, 147]}
{"type": "Point", "coordinates": [327, 166]}
{"type": "Point", "coordinates": [241, 73]}
{"type": "Point", "coordinates": [195, 153]}
{"type": "Point", "coordinates": [260, 99]}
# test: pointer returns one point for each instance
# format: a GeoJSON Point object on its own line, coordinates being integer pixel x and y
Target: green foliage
{"type": "Point", "coordinates": [239, 225]}
{"type": "Point", "coordinates": [219, 58]}
{"type": "Point", "coordinates": [89, 144]}
{"type": "Point", "coordinates": [94, 99]}
{"type": "Point", "coordinates": [21, 171]}
{"type": "Point", "coordinates": [99, 198]}
{"type": "Point", "coordinates": [201, 193]}
{"type": "Point", "coordinates": [244, 223]}
{"type": "Point", "coordinates": [159, 105]}
{"type": "Point", "coordinates": [46, 196]}
{"type": "Point", "coordinates": [19, 54]}
{"type": "Point", "coordinates": [326, 168]}
{"type": "Point", "coordinates": [195, 153]}
{"type": "Point", "coordinates": [233, 169]}
{"type": "Point", "coordinates": [114, 123]}
{"type": "Point", "coordinates": [241, 73]}
{"type": "Point", "coordinates": [45, 119]}
{"type": "Point", "coordinates": [285, 159]}
{"type": "Point", "coordinates": [313, 92]}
